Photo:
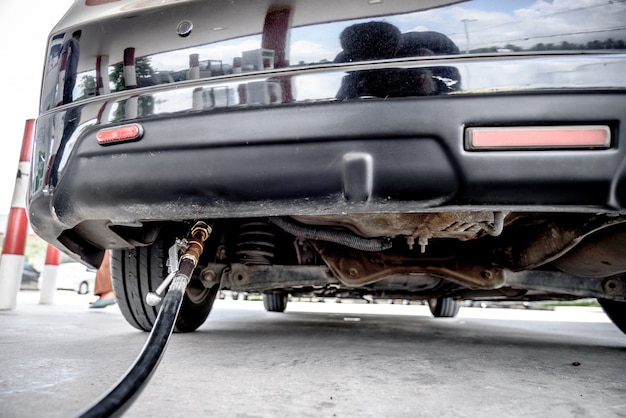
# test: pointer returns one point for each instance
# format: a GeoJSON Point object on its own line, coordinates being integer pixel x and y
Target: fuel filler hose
{"type": "Point", "coordinates": [119, 398]}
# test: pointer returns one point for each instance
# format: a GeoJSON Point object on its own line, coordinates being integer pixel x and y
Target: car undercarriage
{"type": "Point", "coordinates": [467, 256]}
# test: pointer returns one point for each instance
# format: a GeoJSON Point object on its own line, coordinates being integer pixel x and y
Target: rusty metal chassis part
{"type": "Point", "coordinates": [563, 283]}
{"type": "Point", "coordinates": [481, 264]}
{"type": "Point", "coordinates": [504, 264]}
{"type": "Point", "coordinates": [260, 278]}
{"type": "Point", "coordinates": [517, 248]}
{"type": "Point", "coordinates": [355, 268]}
{"type": "Point", "coordinates": [536, 246]}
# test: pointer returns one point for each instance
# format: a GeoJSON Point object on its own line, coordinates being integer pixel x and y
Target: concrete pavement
{"type": "Point", "coordinates": [319, 360]}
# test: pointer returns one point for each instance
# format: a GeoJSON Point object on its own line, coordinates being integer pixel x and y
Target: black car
{"type": "Point", "coordinates": [30, 277]}
{"type": "Point", "coordinates": [419, 150]}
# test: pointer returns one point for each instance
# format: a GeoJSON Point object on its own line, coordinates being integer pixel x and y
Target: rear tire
{"type": "Point", "coordinates": [275, 301]}
{"type": "Point", "coordinates": [444, 307]}
{"type": "Point", "coordinates": [196, 306]}
{"type": "Point", "coordinates": [616, 311]}
{"type": "Point", "coordinates": [140, 270]}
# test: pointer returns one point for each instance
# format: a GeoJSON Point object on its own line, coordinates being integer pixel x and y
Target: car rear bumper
{"type": "Point", "coordinates": [399, 155]}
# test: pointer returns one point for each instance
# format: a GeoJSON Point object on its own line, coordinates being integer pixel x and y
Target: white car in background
{"type": "Point", "coordinates": [77, 277]}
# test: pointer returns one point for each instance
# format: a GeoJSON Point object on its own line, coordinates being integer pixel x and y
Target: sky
{"type": "Point", "coordinates": [25, 25]}
{"type": "Point", "coordinates": [489, 23]}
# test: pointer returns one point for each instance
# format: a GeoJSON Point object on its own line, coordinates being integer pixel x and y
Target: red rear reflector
{"type": "Point", "coordinates": [120, 134]}
{"type": "Point", "coordinates": [547, 137]}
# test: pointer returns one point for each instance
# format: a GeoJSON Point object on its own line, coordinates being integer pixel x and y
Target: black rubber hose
{"type": "Point", "coordinates": [118, 399]}
{"type": "Point", "coordinates": [338, 237]}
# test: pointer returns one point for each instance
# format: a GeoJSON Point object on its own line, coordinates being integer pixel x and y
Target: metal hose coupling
{"type": "Point", "coordinates": [195, 245]}
{"type": "Point", "coordinates": [199, 234]}
{"type": "Point", "coordinates": [192, 249]}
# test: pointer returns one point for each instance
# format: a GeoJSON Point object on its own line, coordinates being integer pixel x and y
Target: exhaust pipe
{"type": "Point", "coordinates": [121, 396]}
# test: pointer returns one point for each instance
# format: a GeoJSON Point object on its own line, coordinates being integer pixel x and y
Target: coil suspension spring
{"type": "Point", "coordinates": [256, 243]}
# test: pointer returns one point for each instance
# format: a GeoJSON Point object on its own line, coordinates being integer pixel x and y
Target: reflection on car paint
{"type": "Point", "coordinates": [405, 31]}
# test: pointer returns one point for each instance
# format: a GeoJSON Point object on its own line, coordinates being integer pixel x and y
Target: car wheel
{"type": "Point", "coordinates": [196, 306]}
{"type": "Point", "coordinates": [275, 301]}
{"type": "Point", "coordinates": [83, 288]}
{"type": "Point", "coordinates": [616, 311]}
{"type": "Point", "coordinates": [140, 270]}
{"type": "Point", "coordinates": [444, 307]}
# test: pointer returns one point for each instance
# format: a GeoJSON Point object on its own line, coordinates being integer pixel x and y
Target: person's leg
{"type": "Point", "coordinates": [103, 286]}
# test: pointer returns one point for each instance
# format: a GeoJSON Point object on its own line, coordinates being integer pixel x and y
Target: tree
{"type": "Point", "coordinates": [87, 86]}
{"type": "Point", "coordinates": [144, 72]}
